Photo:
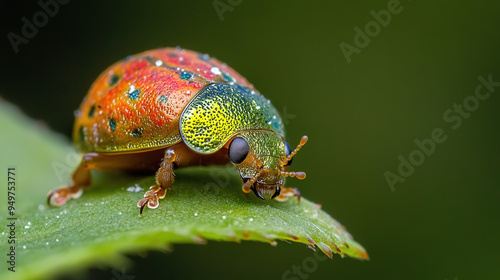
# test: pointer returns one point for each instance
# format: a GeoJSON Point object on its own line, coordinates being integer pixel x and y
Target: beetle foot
{"type": "Point", "coordinates": [288, 192]}
{"type": "Point", "coordinates": [151, 198]}
{"type": "Point", "coordinates": [58, 197]}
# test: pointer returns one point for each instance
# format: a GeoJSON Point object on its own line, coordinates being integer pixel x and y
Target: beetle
{"type": "Point", "coordinates": [169, 108]}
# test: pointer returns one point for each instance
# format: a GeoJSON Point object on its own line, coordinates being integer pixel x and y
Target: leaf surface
{"type": "Point", "coordinates": [98, 228]}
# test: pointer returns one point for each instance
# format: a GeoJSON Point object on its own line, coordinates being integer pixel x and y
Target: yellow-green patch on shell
{"type": "Point", "coordinates": [219, 111]}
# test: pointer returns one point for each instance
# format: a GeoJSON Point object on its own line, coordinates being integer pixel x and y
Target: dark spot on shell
{"type": "Point", "coordinates": [276, 125]}
{"type": "Point", "coordinates": [82, 134]}
{"type": "Point", "coordinates": [91, 111]}
{"type": "Point", "coordinates": [150, 59]}
{"type": "Point", "coordinates": [204, 57]}
{"type": "Point", "coordinates": [112, 124]}
{"type": "Point", "coordinates": [162, 98]}
{"type": "Point", "coordinates": [134, 94]}
{"type": "Point", "coordinates": [172, 54]}
{"type": "Point", "coordinates": [113, 80]}
{"type": "Point", "coordinates": [99, 106]}
{"type": "Point", "coordinates": [137, 132]}
{"type": "Point", "coordinates": [227, 78]}
{"type": "Point", "coordinates": [186, 75]}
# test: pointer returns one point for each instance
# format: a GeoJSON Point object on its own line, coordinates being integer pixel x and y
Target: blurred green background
{"type": "Point", "coordinates": [440, 223]}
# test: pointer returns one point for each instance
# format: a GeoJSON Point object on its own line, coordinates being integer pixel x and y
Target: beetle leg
{"type": "Point", "coordinates": [288, 192]}
{"type": "Point", "coordinates": [80, 178]}
{"type": "Point", "coordinates": [164, 180]}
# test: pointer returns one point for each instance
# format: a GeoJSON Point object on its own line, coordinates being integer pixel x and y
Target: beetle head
{"type": "Point", "coordinates": [262, 158]}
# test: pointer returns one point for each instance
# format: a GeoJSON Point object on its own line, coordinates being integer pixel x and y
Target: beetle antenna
{"type": "Point", "coordinates": [298, 175]}
{"type": "Point", "coordinates": [303, 141]}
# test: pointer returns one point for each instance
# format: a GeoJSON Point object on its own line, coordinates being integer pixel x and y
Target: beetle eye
{"type": "Point", "coordinates": [287, 152]}
{"type": "Point", "coordinates": [238, 150]}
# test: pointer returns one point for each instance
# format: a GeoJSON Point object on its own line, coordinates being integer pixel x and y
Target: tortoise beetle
{"type": "Point", "coordinates": [170, 108]}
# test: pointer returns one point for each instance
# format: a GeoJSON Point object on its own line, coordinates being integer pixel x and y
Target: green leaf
{"type": "Point", "coordinates": [204, 204]}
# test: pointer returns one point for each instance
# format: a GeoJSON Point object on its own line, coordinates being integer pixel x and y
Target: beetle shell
{"type": "Point", "coordinates": [137, 102]}
{"type": "Point", "coordinates": [170, 108]}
